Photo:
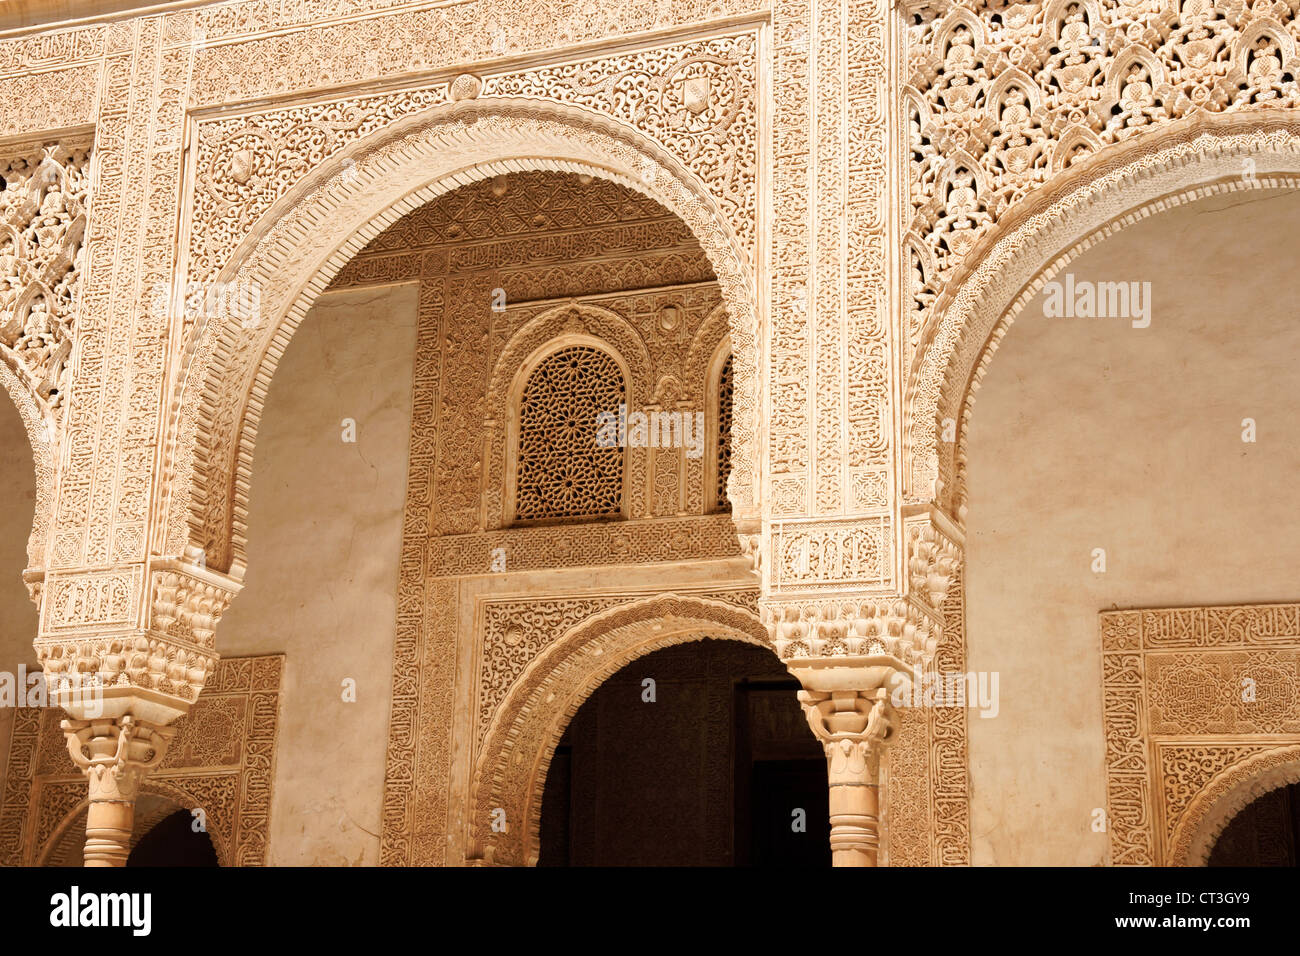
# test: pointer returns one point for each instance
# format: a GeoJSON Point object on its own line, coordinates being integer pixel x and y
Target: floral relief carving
{"type": "Point", "coordinates": [43, 203]}
{"type": "Point", "coordinates": [1005, 106]}
{"type": "Point", "coordinates": [236, 63]}
{"type": "Point", "coordinates": [697, 99]}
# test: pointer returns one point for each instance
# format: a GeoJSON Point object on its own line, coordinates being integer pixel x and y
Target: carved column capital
{"type": "Point", "coordinates": [853, 727]}
{"type": "Point", "coordinates": [900, 629]}
{"type": "Point", "coordinates": [115, 755]}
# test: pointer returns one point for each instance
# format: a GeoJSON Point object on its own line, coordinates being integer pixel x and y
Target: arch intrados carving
{"type": "Point", "coordinates": [1227, 794]}
{"type": "Point", "coordinates": [42, 443]}
{"type": "Point", "coordinates": [1043, 234]}
{"type": "Point", "coordinates": [366, 188]}
{"type": "Point", "coordinates": [615, 637]}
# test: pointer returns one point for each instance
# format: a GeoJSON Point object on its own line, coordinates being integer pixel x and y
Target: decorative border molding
{"type": "Point", "coordinates": [1174, 772]}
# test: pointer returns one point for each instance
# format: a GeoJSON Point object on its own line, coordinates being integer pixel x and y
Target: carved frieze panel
{"type": "Point", "coordinates": [629, 542]}
{"type": "Point", "coordinates": [42, 51]}
{"type": "Point", "coordinates": [235, 63]}
{"type": "Point", "coordinates": [1193, 698]}
{"type": "Point", "coordinates": [839, 556]}
{"type": "Point", "coordinates": [55, 99]}
{"type": "Point", "coordinates": [222, 761]}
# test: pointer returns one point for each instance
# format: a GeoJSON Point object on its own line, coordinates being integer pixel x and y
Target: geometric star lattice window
{"type": "Point", "coordinates": [726, 395]}
{"type": "Point", "coordinates": [561, 471]}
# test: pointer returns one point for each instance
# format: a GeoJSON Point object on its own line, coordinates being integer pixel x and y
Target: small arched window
{"type": "Point", "coordinates": [561, 469]}
{"type": "Point", "coordinates": [726, 396]}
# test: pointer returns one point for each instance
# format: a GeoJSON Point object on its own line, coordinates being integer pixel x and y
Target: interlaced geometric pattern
{"type": "Point", "coordinates": [726, 393]}
{"type": "Point", "coordinates": [561, 471]}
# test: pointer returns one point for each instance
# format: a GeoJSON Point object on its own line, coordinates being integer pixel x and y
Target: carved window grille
{"type": "Point", "coordinates": [561, 469]}
{"type": "Point", "coordinates": [726, 396]}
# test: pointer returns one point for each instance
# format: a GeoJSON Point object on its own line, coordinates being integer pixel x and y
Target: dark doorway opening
{"type": "Point", "coordinates": [696, 755]}
{"type": "Point", "coordinates": [174, 842]}
{"type": "Point", "coordinates": [1263, 833]}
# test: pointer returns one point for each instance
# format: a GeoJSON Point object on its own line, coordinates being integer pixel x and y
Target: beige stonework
{"type": "Point", "coordinates": [309, 312]}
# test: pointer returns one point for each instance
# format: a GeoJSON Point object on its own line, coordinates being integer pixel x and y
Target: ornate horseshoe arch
{"type": "Point", "coordinates": [312, 232]}
{"type": "Point", "coordinates": [1199, 156]}
{"type": "Point", "coordinates": [510, 772]}
{"type": "Point", "coordinates": [1226, 795]}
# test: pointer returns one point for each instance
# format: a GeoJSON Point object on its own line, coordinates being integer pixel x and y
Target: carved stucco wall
{"type": "Point", "coordinates": [677, 124]}
{"type": "Point", "coordinates": [325, 538]}
{"type": "Point", "coordinates": [1187, 745]}
{"type": "Point", "coordinates": [17, 612]}
{"type": "Point", "coordinates": [999, 130]}
{"type": "Point", "coordinates": [673, 114]}
{"type": "Point", "coordinates": [222, 761]}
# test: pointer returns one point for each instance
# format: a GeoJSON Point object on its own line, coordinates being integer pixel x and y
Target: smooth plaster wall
{"type": "Point", "coordinates": [17, 612]}
{"type": "Point", "coordinates": [325, 530]}
{"type": "Point", "coordinates": [1089, 433]}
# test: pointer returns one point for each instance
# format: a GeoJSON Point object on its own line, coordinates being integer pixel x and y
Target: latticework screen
{"type": "Point", "coordinates": [726, 394]}
{"type": "Point", "coordinates": [561, 472]}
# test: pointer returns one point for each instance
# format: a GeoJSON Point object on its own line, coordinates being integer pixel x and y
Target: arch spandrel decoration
{"type": "Point", "coordinates": [409, 164]}
{"type": "Point", "coordinates": [44, 199]}
{"type": "Point", "coordinates": [157, 800]}
{"type": "Point", "coordinates": [1120, 186]}
{"type": "Point", "coordinates": [1011, 110]}
{"type": "Point", "coordinates": [1228, 794]}
{"type": "Point", "coordinates": [1179, 764]}
{"type": "Point", "coordinates": [222, 760]}
{"type": "Point", "coordinates": [520, 732]}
